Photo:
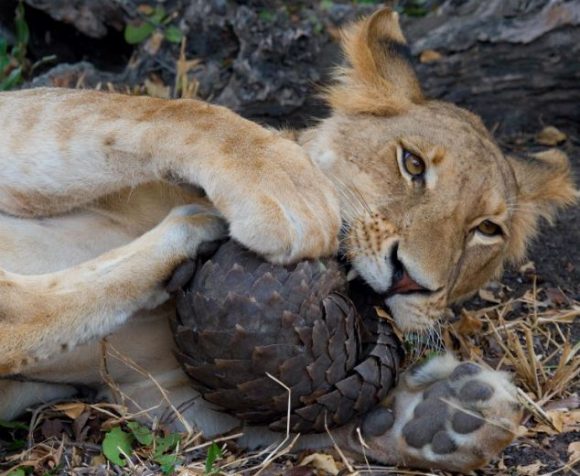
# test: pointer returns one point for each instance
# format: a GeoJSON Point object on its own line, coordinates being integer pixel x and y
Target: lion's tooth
{"type": "Point", "coordinates": [352, 274]}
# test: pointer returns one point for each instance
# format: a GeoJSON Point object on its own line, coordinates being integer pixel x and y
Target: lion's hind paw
{"type": "Point", "coordinates": [444, 414]}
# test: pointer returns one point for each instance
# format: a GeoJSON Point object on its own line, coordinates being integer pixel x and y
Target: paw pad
{"type": "Point", "coordinates": [450, 416]}
{"type": "Point", "coordinates": [378, 422]}
{"type": "Point", "coordinates": [442, 443]}
{"type": "Point", "coordinates": [449, 408]}
{"type": "Point", "coordinates": [465, 423]}
{"type": "Point", "coordinates": [467, 369]}
{"type": "Point", "coordinates": [474, 390]}
{"type": "Point", "coordinates": [421, 431]}
{"type": "Point", "coordinates": [440, 390]}
{"type": "Point", "coordinates": [431, 406]}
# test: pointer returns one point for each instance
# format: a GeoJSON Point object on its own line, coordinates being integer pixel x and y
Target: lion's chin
{"type": "Point", "coordinates": [413, 314]}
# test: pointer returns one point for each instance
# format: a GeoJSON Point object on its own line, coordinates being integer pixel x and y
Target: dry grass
{"type": "Point", "coordinates": [528, 336]}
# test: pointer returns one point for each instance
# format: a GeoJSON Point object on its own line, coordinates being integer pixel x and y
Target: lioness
{"type": "Point", "coordinates": [93, 225]}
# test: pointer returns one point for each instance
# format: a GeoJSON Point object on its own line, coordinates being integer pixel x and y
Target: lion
{"type": "Point", "coordinates": [94, 220]}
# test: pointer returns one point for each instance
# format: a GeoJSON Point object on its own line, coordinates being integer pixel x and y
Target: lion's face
{"type": "Point", "coordinates": [431, 206]}
{"type": "Point", "coordinates": [427, 200]}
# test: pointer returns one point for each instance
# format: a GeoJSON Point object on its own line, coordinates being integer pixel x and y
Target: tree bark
{"type": "Point", "coordinates": [517, 68]}
{"type": "Point", "coordinates": [514, 62]}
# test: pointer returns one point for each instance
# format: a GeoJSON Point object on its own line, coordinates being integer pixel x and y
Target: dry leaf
{"type": "Point", "coordinates": [569, 403]}
{"type": "Point", "coordinates": [98, 460]}
{"type": "Point", "coordinates": [321, 461]}
{"type": "Point", "coordinates": [527, 267]}
{"type": "Point", "coordinates": [530, 470]}
{"type": "Point", "coordinates": [300, 471]}
{"type": "Point", "coordinates": [76, 459]}
{"type": "Point", "coordinates": [52, 429]}
{"type": "Point", "coordinates": [383, 314]}
{"type": "Point", "coordinates": [571, 420]}
{"type": "Point", "coordinates": [501, 464]}
{"type": "Point", "coordinates": [563, 421]}
{"type": "Point", "coordinates": [550, 136]}
{"type": "Point", "coordinates": [71, 410]}
{"type": "Point", "coordinates": [488, 296]}
{"type": "Point", "coordinates": [184, 85]}
{"type": "Point", "coordinates": [154, 87]}
{"type": "Point", "coordinates": [153, 44]}
{"type": "Point", "coordinates": [430, 56]}
{"type": "Point", "coordinates": [574, 451]}
{"type": "Point", "coordinates": [145, 9]}
{"type": "Point", "coordinates": [522, 431]}
{"type": "Point", "coordinates": [556, 296]}
{"type": "Point", "coordinates": [468, 324]}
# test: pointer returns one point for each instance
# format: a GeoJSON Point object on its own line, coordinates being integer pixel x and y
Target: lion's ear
{"type": "Point", "coordinates": [544, 184]}
{"type": "Point", "coordinates": [379, 78]}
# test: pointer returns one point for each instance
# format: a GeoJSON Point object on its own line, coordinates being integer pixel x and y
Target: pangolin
{"type": "Point", "coordinates": [255, 337]}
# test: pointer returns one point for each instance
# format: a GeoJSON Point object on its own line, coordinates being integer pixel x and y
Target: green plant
{"type": "Point", "coordinates": [214, 453]}
{"type": "Point", "coordinates": [119, 444]}
{"type": "Point", "coordinates": [326, 4]}
{"type": "Point", "coordinates": [13, 435]}
{"type": "Point", "coordinates": [13, 61]}
{"type": "Point", "coordinates": [266, 16]}
{"type": "Point", "coordinates": [155, 19]}
{"type": "Point", "coordinates": [417, 8]}
{"type": "Point", "coordinates": [17, 472]}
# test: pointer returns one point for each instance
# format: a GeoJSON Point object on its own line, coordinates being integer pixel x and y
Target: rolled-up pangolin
{"type": "Point", "coordinates": [244, 325]}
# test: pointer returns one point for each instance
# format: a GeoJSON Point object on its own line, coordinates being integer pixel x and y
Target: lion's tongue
{"type": "Point", "coordinates": [405, 285]}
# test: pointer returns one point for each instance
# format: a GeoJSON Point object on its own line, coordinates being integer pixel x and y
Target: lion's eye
{"type": "Point", "coordinates": [489, 228]}
{"type": "Point", "coordinates": [414, 166]}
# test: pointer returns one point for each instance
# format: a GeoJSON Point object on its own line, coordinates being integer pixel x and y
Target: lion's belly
{"type": "Point", "coordinates": [143, 346]}
{"type": "Point", "coordinates": [141, 351]}
{"type": "Point", "coordinates": [44, 245]}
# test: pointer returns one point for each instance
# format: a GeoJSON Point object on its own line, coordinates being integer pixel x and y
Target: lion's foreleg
{"type": "Point", "coordinates": [46, 314]}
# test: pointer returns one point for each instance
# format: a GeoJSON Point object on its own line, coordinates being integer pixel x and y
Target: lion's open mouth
{"type": "Point", "coordinates": [401, 282]}
{"type": "Point", "coordinates": [418, 343]}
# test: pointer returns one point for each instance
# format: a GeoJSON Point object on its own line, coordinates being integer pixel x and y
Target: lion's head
{"type": "Point", "coordinates": [432, 207]}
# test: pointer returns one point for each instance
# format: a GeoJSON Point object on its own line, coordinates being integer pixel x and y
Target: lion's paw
{"type": "Point", "coordinates": [444, 414]}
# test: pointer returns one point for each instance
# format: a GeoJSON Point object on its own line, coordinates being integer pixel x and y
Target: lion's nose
{"type": "Point", "coordinates": [401, 282]}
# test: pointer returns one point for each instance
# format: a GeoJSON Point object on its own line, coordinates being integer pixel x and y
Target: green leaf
{"type": "Point", "coordinates": [326, 4]}
{"type": "Point", "coordinates": [17, 472]}
{"type": "Point", "coordinates": [173, 34]}
{"type": "Point", "coordinates": [167, 463]}
{"type": "Point", "coordinates": [15, 445]}
{"type": "Point", "coordinates": [135, 34]}
{"type": "Point", "coordinates": [116, 445]}
{"type": "Point", "coordinates": [214, 453]}
{"type": "Point", "coordinates": [141, 433]}
{"type": "Point", "coordinates": [157, 16]}
{"type": "Point", "coordinates": [167, 443]}
{"type": "Point", "coordinates": [12, 80]}
{"type": "Point", "coordinates": [3, 47]}
{"type": "Point", "coordinates": [22, 32]}
{"type": "Point", "coordinates": [266, 16]}
{"type": "Point", "coordinates": [13, 425]}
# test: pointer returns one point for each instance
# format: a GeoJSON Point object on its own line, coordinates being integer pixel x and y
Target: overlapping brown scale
{"type": "Point", "coordinates": [241, 318]}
